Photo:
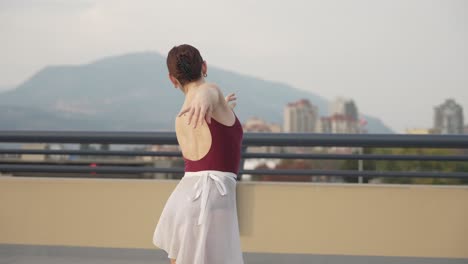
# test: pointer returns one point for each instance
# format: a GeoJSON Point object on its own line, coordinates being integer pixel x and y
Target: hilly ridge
{"type": "Point", "coordinates": [132, 92]}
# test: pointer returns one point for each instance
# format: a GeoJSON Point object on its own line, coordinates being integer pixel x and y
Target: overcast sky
{"type": "Point", "coordinates": [395, 58]}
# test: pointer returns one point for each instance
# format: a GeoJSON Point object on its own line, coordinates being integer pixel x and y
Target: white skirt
{"type": "Point", "coordinates": [199, 224]}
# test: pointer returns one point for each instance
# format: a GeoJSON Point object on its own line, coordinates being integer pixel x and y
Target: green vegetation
{"type": "Point", "coordinates": [397, 165]}
{"type": "Point", "coordinates": [379, 165]}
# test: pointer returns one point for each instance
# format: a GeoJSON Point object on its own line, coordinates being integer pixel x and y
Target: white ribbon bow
{"type": "Point", "coordinates": [204, 190]}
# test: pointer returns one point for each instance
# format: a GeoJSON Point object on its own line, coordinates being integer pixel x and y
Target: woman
{"type": "Point", "coordinates": [199, 224]}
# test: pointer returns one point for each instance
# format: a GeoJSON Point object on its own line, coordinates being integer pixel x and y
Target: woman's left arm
{"type": "Point", "coordinates": [229, 98]}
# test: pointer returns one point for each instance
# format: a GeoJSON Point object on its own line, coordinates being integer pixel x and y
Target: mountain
{"type": "Point", "coordinates": [4, 88]}
{"type": "Point", "coordinates": [132, 92]}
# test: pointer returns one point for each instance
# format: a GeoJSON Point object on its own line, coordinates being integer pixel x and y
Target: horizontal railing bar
{"type": "Point", "coordinates": [356, 156]}
{"type": "Point", "coordinates": [250, 139]}
{"type": "Point", "coordinates": [99, 162]}
{"type": "Point", "coordinates": [92, 176]}
{"type": "Point", "coordinates": [81, 168]}
{"type": "Point", "coordinates": [352, 173]}
{"type": "Point", "coordinates": [281, 172]}
{"type": "Point", "coordinates": [90, 137]}
{"type": "Point", "coordinates": [356, 140]}
{"type": "Point", "coordinates": [92, 152]}
{"type": "Point", "coordinates": [247, 155]}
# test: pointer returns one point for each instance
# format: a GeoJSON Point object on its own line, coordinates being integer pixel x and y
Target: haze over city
{"type": "Point", "coordinates": [396, 59]}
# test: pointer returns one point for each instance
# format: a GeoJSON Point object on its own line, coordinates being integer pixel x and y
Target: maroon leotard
{"type": "Point", "coordinates": [225, 150]}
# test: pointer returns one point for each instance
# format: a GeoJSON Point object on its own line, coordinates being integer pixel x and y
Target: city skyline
{"type": "Point", "coordinates": [302, 116]}
{"type": "Point", "coordinates": [396, 60]}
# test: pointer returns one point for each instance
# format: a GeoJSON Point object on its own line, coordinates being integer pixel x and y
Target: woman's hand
{"type": "Point", "coordinates": [231, 97]}
{"type": "Point", "coordinates": [202, 105]}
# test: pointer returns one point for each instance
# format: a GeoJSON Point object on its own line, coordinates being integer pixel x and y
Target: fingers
{"type": "Point", "coordinates": [192, 110]}
{"type": "Point", "coordinates": [202, 116]}
{"type": "Point", "coordinates": [202, 112]}
{"type": "Point", "coordinates": [196, 116]}
{"type": "Point", "coordinates": [184, 111]}
{"type": "Point", "coordinates": [209, 114]}
{"type": "Point", "coordinates": [231, 97]}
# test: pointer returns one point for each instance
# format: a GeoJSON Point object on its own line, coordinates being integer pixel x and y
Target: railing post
{"type": "Point", "coordinates": [241, 166]}
{"type": "Point", "coordinates": [360, 165]}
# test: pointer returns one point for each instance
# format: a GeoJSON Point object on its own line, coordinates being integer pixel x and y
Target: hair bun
{"type": "Point", "coordinates": [183, 63]}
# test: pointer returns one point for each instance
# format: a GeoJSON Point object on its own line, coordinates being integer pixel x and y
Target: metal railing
{"type": "Point", "coordinates": [250, 140]}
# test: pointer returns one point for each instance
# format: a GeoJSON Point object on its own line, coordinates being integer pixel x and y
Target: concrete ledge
{"type": "Point", "coordinates": [295, 218]}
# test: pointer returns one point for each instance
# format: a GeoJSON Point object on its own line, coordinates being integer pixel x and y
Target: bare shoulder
{"type": "Point", "coordinates": [221, 100]}
{"type": "Point", "coordinates": [214, 87]}
{"type": "Point", "coordinates": [211, 85]}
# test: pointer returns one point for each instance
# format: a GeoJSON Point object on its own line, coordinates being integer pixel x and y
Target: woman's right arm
{"type": "Point", "coordinates": [203, 104]}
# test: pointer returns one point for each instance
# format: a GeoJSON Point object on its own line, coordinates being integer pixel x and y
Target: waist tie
{"type": "Point", "coordinates": [203, 186]}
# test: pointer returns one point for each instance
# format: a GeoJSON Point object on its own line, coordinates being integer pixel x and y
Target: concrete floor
{"type": "Point", "coordinates": [26, 254]}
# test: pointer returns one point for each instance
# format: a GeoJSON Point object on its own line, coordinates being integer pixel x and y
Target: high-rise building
{"type": "Point", "coordinates": [344, 117]}
{"type": "Point", "coordinates": [345, 107]}
{"type": "Point", "coordinates": [448, 118]}
{"type": "Point", "coordinates": [300, 117]}
{"type": "Point", "coordinates": [339, 124]}
{"type": "Point", "coordinates": [256, 124]}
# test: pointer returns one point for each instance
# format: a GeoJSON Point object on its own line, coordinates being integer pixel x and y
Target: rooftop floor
{"type": "Point", "coordinates": [23, 254]}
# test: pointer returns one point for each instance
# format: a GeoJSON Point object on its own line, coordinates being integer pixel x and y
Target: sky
{"type": "Point", "coordinates": [396, 59]}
